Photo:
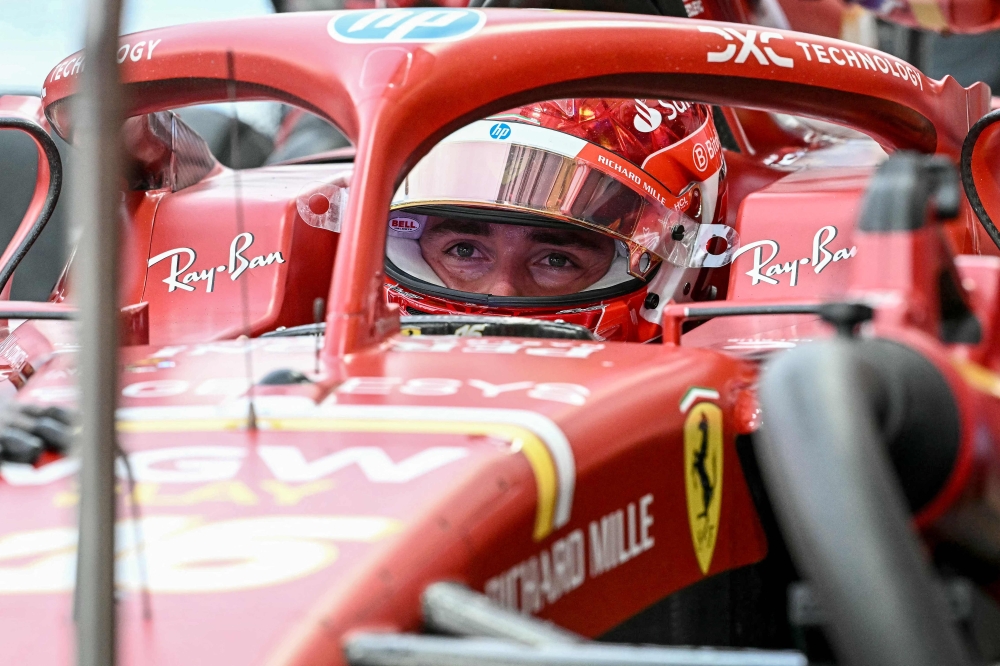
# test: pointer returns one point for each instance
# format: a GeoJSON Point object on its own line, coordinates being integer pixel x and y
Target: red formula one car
{"type": "Point", "coordinates": [320, 493]}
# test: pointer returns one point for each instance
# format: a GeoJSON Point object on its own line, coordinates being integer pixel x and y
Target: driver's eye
{"type": "Point", "coordinates": [557, 260]}
{"type": "Point", "coordinates": [464, 250]}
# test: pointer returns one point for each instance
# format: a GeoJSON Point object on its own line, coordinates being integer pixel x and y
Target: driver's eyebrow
{"type": "Point", "coordinates": [567, 239]}
{"type": "Point", "coordinates": [465, 227]}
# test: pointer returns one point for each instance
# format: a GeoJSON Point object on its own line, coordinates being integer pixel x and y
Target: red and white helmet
{"type": "Point", "coordinates": [649, 174]}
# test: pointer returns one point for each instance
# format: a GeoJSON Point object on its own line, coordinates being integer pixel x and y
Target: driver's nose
{"type": "Point", "coordinates": [510, 272]}
{"type": "Point", "coordinates": [505, 276]}
{"type": "Point", "coordinates": [504, 286]}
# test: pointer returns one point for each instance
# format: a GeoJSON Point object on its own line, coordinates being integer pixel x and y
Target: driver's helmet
{"type": "Point", "coordinates": [588, 211]}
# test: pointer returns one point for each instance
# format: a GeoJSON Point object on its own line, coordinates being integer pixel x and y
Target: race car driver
{"type": "Point", "coordinates": [589, 211]}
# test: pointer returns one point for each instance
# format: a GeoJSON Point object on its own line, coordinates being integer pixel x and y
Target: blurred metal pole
{"type": "Point", "coordinates": [95, 204]}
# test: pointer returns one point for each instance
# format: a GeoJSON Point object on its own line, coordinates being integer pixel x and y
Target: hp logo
{"type": "Point", "coordinates": [394, 26]}
{"type": "Point", "coordinates": [500, 131]}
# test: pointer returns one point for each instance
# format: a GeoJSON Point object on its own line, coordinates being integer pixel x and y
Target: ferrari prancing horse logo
{"type": "Point", "coordinates": [703, 478]}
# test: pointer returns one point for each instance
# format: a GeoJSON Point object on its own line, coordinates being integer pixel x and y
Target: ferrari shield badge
{"type": "Point", "coordinates": [703, 477]}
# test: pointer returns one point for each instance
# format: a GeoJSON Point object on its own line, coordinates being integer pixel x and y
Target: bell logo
{"type": "Point", "coordinates": [395, 26]}
{"type": "Point", "coordinates": [404, 225]}
{"type": "Point", "coordinates": [646, 119]}
{"type": "Point", "coordinates": [748, 47]}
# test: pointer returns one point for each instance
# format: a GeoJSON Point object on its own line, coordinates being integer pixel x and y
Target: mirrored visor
{"type": "Point", "coordinates": [546, 173]}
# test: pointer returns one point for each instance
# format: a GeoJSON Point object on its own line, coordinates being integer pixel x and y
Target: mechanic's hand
{"type": "Point", "coordinates": [28, 430]}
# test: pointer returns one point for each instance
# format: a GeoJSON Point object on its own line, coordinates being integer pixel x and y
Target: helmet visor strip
{"type": "Point", "coordinates": [538, 171]}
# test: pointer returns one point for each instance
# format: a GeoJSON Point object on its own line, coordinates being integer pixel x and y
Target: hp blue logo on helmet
{"type": "Point", "coordinates": [500, 131]}
{"type": "Point", "coordinates": [393, 26]}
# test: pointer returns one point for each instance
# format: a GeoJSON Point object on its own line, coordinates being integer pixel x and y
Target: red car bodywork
{"type": "Point", "coordinates": [551, 474]}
